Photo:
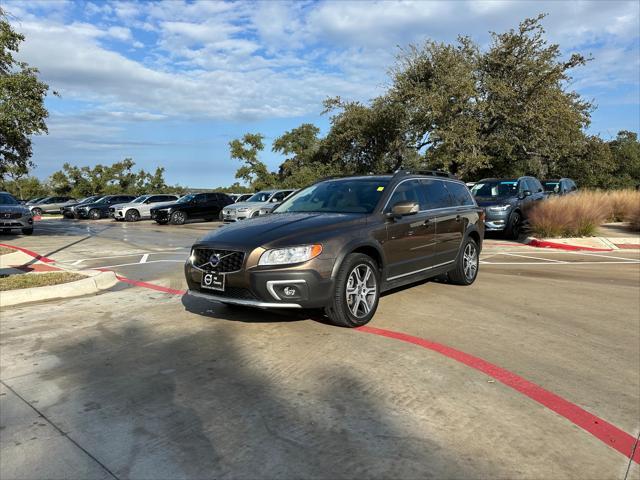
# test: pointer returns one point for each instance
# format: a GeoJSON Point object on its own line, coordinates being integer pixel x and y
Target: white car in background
{"type": "Point", "coordinates": [251, 207]}
{"type": "Point", "coordinates": [140, 208]}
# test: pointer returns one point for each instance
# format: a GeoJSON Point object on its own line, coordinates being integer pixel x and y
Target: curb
{"type": "Point", "coordinates": [96, 282]}
{"type": "Point", "coordinates": [534, 242]}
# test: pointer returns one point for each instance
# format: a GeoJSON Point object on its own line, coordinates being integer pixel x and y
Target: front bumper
{"type": "Point", "coordinates": [267, 288]}
{"type": "Point", "coordinates": [160, 215]}
{"type": "Point", "coordinates": [496, 221]}
{"type": "Point", "coordinates": [24, 221]}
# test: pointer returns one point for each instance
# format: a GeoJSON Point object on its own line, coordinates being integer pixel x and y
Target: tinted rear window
{"type": "Point", "coordinates": [436, 194]}
{"type": "Point", "coordinates": [460, 193]}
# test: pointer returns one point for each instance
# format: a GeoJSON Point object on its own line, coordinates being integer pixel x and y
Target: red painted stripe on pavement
{"type": "Point", "coordinates": [561, 246]}
{"type": "Point", "coordinates": [630, 246]}
{"type": "Point", "coordinates": [599, 428]}
{"type": "Point", "coordinates": [140, 283]}
{"type": "Point", "coordinates": [29, 252]}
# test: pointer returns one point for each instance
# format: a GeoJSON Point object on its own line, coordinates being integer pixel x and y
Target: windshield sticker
{"type": "Point", "coordinates": [380, 189]}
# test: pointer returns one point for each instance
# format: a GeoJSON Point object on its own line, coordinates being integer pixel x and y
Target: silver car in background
{"type": "Point", "coordinates": [270, 207]}
{"type": "Point", "coordinates": [50, 205]}
{"type": "Point", "coordinates": [14, 216]}
{"type": "Point", "coordinates": [140, 208]}
{"type": "Point", "coordinates": [251, 207]}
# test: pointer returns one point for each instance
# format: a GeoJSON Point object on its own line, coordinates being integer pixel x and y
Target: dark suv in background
{"type": "Point", "coordinates": [559, 186]}
{"type": "Point", "coordinates": [341, 242]}
{"type": "Point", "coordinates": [506, 202]}
{"type": "Point", "coordinates": [100, 208]}
{"type": "Point", "coordinates": [205, 206]}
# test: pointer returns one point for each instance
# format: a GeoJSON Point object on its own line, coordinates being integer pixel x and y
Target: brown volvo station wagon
{"type": "Point", "coordinates": [339, 243]}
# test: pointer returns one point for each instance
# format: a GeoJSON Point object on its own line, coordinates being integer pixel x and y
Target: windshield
{"type": "Point", "coordinates": [336, 196]}
{"type": "Point", "coordinates": [140, 199]}
{"type": "Point", "coordinates": [260, 197]}
{"type": "Point", "coordinates": [186, 198]}
{"type": "Point", "coordinates": [551, 186]}
{"type": "Point", "coordinates": [6, 199]}
{"type": "Point", "coordinates": [496, 188]}
{"type": "Point", "coordinates": [94, 198]}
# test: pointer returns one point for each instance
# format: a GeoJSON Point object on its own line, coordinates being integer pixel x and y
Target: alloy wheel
{"type": "Point", "coordinates": [361, 290]}
{"type": "Point", "coordinates": [470, 261]}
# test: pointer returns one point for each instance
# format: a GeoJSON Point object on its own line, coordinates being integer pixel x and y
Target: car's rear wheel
{"type": "Point", "coordinates": [178, 218]}
{"type": "Point", "coordinates": [357, 292]}
{"type": "Point", "coordinates": [132, 215]}
{"type": "Point", "coordinates": [514, 226]}
{"type": "Point", "coordinates": [94, 214]}
{"type": "Point", "coordinates": [37, 212]}
{"type": "Point", "coordinates": [27, 231]}
{"type": "Point", "coordinates": [466, 269]}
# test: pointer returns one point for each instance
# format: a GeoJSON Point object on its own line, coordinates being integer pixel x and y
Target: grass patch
{"type": "Point", "coordinates": [5, 250]}
{"type": "Point", "coordinates": [30, 280]}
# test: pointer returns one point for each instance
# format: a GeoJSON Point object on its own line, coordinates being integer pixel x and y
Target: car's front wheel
{"type": "Point", "coordinates": [94, 214]}
{"type": "Point", "coordinates": [178, 218]}
{"type": "Point", "coordinates": [512, 231]}
{"type": "Point", "coordinates": [37, 212]}
{"type": "Point", "coordinates": [466, 269]}
{"type": "Point", "coordinates": [357, 292]}
{"type": "Point", "coordinates": [132, 215]}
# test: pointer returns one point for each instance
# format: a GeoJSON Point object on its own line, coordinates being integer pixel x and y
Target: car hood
{"type": "Point", "coordinates": [286, 228]}
{"type": "Point", "coordinates": [250, 205]}
{"type": "Point", "coordinates": [13, 209]}
{"type": "Point", "coordinates": [491, 201]}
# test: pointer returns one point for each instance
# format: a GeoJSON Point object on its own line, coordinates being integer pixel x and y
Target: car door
{"type": "Point", "coordinates": [448, 220]}
{"type": "Point", "coordinates": [145, 208]}
{"type": "Point", "coordinates": [410, 240]}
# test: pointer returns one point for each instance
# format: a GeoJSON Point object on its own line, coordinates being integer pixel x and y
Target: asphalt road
{"type": "Point", "coordinates": [148, 385]}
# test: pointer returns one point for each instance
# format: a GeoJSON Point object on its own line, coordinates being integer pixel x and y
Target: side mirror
{"type": "Point", "coordinates": [402, 209]}
{"type": "Point", "coordinates": [526, 193]}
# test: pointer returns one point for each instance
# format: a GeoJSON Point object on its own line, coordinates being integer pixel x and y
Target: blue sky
{"type": "Point", "coordinates": [171, 83]}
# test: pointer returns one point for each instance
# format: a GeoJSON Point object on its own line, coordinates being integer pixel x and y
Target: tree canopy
{"type": "Point", "coordinates": [22, 109]}
{"type": "Point", "coordinates": [506, 110]}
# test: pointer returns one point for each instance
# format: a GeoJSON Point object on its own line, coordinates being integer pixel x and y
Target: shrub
{"type": "Point", "coordinates": [570, 216]}
{"type": "Point", "coordinates": [623, 204]}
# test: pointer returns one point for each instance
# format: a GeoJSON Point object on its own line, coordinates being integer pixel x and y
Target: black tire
{"type": "Point", "coordinates": [340, 310]}
{"type": "Point", "coordinates": [27, 231]}
{"type": "Point", "coordinates": [178, 218]}
{"type": "Point", "coordinates": [36, 212]}
{"type": "Point", "coordinates": [132, 215]}
{"type": "Point", "coordinates": [514, 226]}
{"type": "Point", "coordinates": [94, 214]}
{"type": "Point", "coordinates": [255, 214]}
{"type": "Point", "coordinates": [467, 264]}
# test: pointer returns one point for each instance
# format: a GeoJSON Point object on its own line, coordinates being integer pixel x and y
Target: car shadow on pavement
{"type": "Point", "coordinates": [238, 313]}
{"type": "Point", "coordinates": [212, 403]}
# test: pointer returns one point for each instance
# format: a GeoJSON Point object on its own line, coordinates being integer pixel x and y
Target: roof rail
{"type": "Point", "coordinates": [432, 173]}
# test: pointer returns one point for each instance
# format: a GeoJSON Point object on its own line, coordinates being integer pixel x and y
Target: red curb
{"type": "Point", "coordinates": [561, 246]}
{"type": "Point", "coordinates": [30, 253]}
{"type": "Point", "coordinates": [628, 246]}
{"type": "Point", "coordinates": [599, 428]}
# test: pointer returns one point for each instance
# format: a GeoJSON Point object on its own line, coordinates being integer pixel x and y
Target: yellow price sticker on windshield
{"type": "Point", "coordinates": [380, 189]}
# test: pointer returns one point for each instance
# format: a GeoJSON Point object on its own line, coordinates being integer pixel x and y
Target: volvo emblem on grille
{"type": "Point", "coordinates": [214, 259]}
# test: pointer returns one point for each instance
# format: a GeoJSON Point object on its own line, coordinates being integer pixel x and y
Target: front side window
{"type": "Point", "coordinates": [336, 196]}
{"type": "Point", "coordinates": [407, 191]}
{"type": "Point", "coordinates": [436, 194]}
{"type": "Point", "coordinates": [260, 197]}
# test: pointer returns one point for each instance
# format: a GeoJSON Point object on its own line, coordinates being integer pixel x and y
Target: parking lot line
{"type": "Point", "coordinates": [634, 262]}
{"type": "Point", "coordinates": [138, 263]}
{"type": "Point", "coordinates": [144, 258]}
{"type": "Point", "coordinates": [534, 258]}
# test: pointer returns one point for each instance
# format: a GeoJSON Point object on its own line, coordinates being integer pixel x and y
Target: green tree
{"type": "Point", "coordinates": [625, 150]}
{"type": "Point", "coordinates": [253, 171]}
{"type": "Point", "coordinates": [22, 110]}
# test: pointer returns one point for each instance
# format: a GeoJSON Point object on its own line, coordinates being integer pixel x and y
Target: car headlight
{"type": "Point", "coordinates": [263, 211]}
{"type": "Point", "coordinates": [499, 208]}
{"type": "Point", "coordinates": [283, 256]}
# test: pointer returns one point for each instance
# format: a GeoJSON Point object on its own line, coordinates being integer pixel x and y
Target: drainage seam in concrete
{"type": "Point", "coordinates": [65, 435]}
{"type": "Point", "coordinates": [633, 451]}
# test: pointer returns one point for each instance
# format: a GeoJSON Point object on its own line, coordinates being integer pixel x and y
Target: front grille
{"type": "Point", "coordinates": [230, 261]}
{"type": "Point", "coordinates": [11, 215]}
{"type": "Point", "coordinates": [232, 292]}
